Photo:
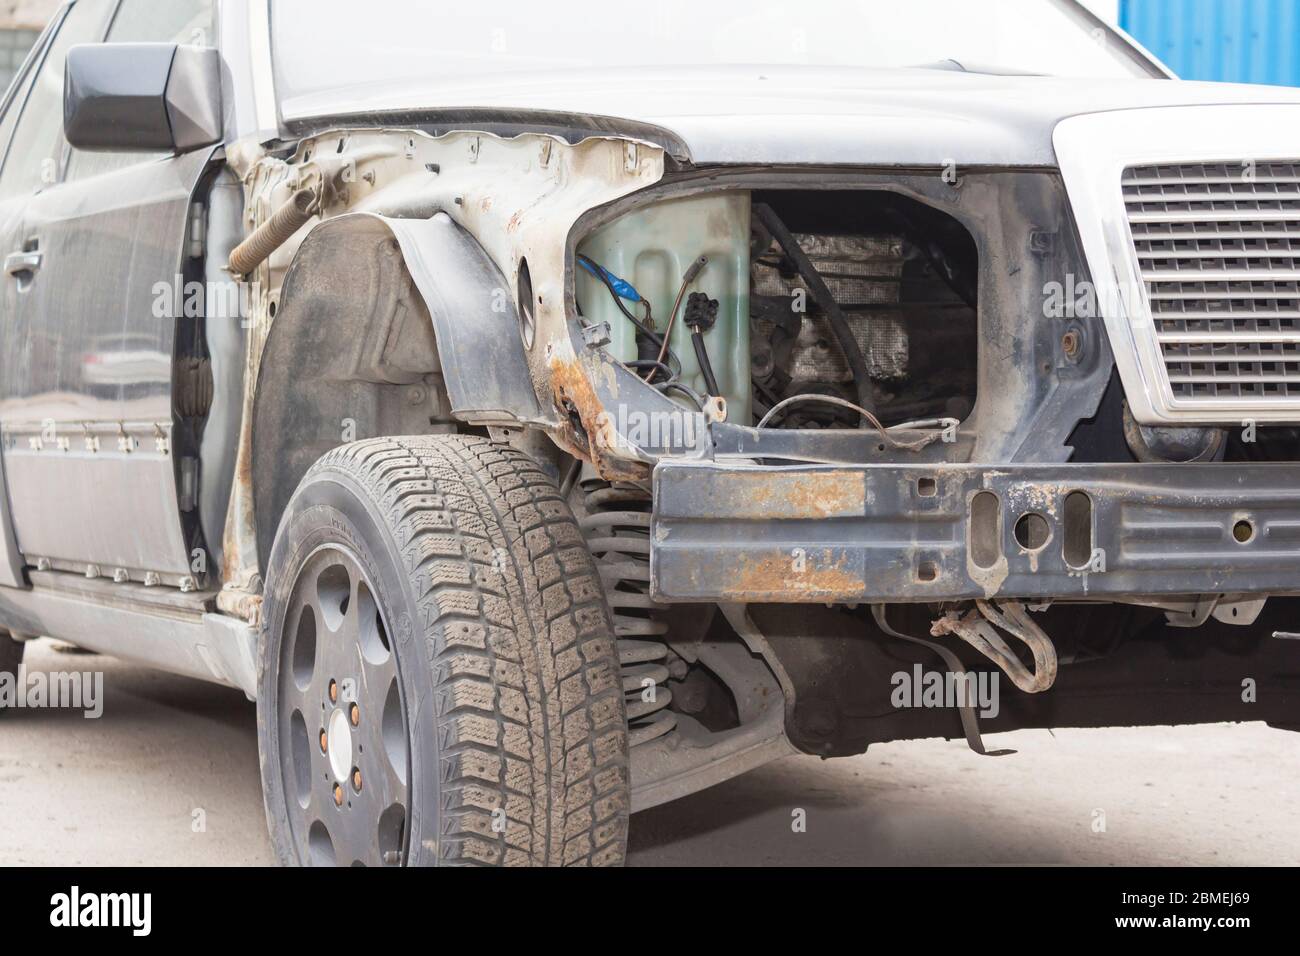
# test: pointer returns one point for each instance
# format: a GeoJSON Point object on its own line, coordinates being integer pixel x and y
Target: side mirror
{"type": "Point", "coordinates": [142, 96]}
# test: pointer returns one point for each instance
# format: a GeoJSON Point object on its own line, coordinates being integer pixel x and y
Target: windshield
{"type": "Point", "coordinates": [328, 46]}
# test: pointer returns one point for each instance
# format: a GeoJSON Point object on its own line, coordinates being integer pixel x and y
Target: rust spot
{"type": "Point", "coordinates": [485, 204]}
{"type": "Point", "coordinates": [775, 577]}
{"type": "Point", "coordinates": [512, 225]}
{"type": "Point", "coordinates": [592, 436]}
{"type": "Point", "coordinates": [241, 604]}
{"type": "Point", "coordinates": [819, 494]}
{"type": "Point", "coordinates": [241, 502]}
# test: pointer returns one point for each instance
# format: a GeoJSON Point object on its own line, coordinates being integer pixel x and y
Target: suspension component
{"type": "Point", "coordinates": [616, 524]}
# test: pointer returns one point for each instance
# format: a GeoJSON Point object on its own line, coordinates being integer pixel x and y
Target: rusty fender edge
{"type": "Point", "coordinates": [928, 532]}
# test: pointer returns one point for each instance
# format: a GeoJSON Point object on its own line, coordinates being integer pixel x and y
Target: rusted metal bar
{"type": "Point", "coordinates": [977, 630]}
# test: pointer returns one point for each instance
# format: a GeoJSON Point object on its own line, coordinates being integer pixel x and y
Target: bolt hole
{"type": "Point", "coordinates": [985, 529]}
{"type": "Point", "coordinates": [1243, 531]}
{"type": "Point", "coordinates": [1032, 531]}
{"type": "Point", "coordinates": [927, 487]}
{"type": "Point", "coordinates": [1077, 528]}
{"type": "Point", "coordinates": [927, 571]}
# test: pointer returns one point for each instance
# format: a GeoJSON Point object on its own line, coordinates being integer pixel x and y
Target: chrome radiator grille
{"type": "Point", "coordinates": [1218, 248]}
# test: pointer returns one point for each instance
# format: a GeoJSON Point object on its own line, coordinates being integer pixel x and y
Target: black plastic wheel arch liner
{"type": "Point", "coordinates": [475, 320]}
{"type": "Point", "coordinates": [347, 299]}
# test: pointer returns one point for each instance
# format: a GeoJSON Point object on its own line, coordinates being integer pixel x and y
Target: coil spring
{"type": "Point", "coordinates": [617, 528]}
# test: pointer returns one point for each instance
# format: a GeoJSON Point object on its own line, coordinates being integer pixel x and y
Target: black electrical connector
{"type": "Point", "coordinates": [701, 315]}
{"type": "Point", "coordinates": [701, 312]}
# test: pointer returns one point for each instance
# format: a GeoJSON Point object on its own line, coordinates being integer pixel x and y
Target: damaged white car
{"type": "Point", "coordinates": [565, 409]}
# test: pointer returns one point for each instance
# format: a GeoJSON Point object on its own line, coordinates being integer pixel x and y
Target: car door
{"type": "Point", "coordinates": [28, 162]}
{"type": "Point", "coordinates": [11, 210]}
{"type": "Point", "coordinates": [102, 481]}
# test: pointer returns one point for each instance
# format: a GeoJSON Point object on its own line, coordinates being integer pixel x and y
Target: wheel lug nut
{"type": "Point", "coordinates": [334, 691]}
{"type": "Point", "coordinates": [324, 742]}
{"type": "Point", "coordinates": [355, 714]}
{"type": "Point", "coordinates": [356, 779]}
{"type": "Point", "coordinates": [338, 795]}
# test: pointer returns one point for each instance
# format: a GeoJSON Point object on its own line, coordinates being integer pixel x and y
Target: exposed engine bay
{"type": "Point", "coordinates": [866, 298]}
{"type": "Point", "coordinates": [855, 310]}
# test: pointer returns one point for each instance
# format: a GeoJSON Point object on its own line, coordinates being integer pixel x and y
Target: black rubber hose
{"type": "Point", "coordinates": [822, 295]}
{"type": "Point", "coordinates": [702, 356]}
{"type": "Point", "coordinates": [669, 375]}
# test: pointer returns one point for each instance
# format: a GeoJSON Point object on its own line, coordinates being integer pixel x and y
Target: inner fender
{"type": "Point", "coordinates": [376, 315]}
{"type": "Point", "coordinates": [475, 318]}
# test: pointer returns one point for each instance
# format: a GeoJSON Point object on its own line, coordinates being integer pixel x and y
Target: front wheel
{"type": "Point", "coordinates": [438, 678]}
{"type": "Point", "coordinates": [11, 658]}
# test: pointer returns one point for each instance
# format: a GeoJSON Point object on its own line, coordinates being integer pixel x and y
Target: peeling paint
{"type": "Point", "coordinates": [593, 437]}
{"type": "Point", "coordinates": [496, 189]}
{"type": "Point", "coordinates": [765, 576]}
{"type": "Point", "coordinates": [819, 494]}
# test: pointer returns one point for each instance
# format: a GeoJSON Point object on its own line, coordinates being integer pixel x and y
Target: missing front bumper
{"type": "Point", "coordinates": [884, 533]}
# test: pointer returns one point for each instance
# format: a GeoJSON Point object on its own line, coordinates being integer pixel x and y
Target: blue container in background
{"type": "Point", "coordinates": [1237, 41]}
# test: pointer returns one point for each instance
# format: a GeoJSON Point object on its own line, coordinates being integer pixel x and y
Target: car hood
{"type": "Point", "coordinates": [797, 115]}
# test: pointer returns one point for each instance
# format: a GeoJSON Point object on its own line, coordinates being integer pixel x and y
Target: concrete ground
{"type": "Point", "coordinates": [169, 775]}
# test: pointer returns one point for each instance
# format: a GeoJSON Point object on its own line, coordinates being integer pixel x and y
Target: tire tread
{"type": "Point", "coordinates": [521, 647]}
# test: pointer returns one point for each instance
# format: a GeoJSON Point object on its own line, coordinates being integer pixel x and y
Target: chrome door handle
{"type": "Point", "coordinates": [22, 263]}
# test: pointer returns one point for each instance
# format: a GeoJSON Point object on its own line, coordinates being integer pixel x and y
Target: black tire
{"type": "Point", "coordinates": [507, 678]}
{"type": "Point", "coordinates": [11, 656]}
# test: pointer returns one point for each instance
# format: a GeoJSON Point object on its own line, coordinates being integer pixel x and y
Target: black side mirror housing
{"type": "Point", "coordinates": [142, 96]}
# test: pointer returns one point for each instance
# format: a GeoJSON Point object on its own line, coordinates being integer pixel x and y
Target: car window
{"type": "Point", "coordinates": [32, 159]}
{"type": "Point", "coordinates": [147, 21]}
{"type": "Point", "coordinates": [22, 83]}
{"type": "Point", "coordinates": [163, 21]}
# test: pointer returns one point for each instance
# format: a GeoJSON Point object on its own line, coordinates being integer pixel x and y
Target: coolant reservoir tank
{"type": "Point", "coordinates": [652, 248]}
